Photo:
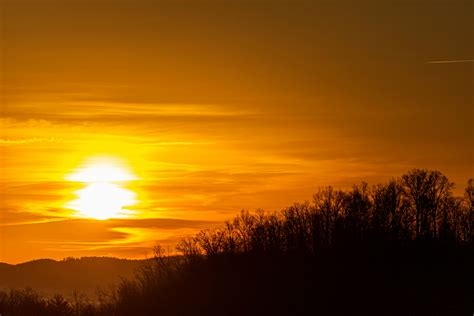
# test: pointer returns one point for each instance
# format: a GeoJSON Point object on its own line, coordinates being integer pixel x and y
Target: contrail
{"type": "Point", "coordinates": [451, 61]}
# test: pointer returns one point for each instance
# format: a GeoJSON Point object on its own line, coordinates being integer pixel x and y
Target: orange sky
{"type": "Point", "coordinates": [217, 106]}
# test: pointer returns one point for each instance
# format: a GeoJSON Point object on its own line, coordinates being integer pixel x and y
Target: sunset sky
{"type": "Point", "coordinates": [194, 110]}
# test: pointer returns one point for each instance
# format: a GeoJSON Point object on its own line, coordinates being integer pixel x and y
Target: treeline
{"type": "Point", "coordinates": [420, 206]}
{"type": "Point", "coordinates": [401, 248]}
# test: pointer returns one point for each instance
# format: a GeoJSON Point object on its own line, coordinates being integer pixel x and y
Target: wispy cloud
{"type": "Point", "coordinates": [122, 112]}
{"type": "Point", "coordinates": [4, 141]}
{"type": "Point", "coordinates": [453, 61]}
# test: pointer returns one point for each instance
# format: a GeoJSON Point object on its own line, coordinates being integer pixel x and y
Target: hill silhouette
{"type": "Point", "coordinates": [405, 247]}
{"type": "Point", "coordinates": [84, 275]}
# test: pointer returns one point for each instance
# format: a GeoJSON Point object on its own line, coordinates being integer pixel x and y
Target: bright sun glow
{"type": "Point", "coordinates": [104, 196]}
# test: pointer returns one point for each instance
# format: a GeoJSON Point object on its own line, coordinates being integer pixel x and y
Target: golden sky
{"type": "Point", "coordinates": [215, 106]}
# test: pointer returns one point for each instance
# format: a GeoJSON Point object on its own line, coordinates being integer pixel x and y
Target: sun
{"type": "Point", "coordinates": [104, 196]}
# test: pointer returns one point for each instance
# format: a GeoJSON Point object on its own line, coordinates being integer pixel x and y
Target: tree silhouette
{"type": "Point", "coordinates": [427, 193]}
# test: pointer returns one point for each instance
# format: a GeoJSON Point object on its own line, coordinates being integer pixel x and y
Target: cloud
{"type": "Point", "coordinates": [19, 141]}
{"type": "Point", "coordinates": [453, 61]}
{"type": "Point", "coordinates": [120, 237]}
{"type": "Point", "coordinates": [76, 110]}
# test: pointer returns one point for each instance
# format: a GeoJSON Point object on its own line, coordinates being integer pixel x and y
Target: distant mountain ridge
{"type": "Point", "coordinates": [85, 274]}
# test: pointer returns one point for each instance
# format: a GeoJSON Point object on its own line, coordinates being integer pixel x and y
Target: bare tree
{"type": "Point", "coordinates": [189, 248]}
{"type": "Point", "coordinates": [330, 204]}
{"type": "Point", "coordinates": [387, 211]}
{"type": "Point", "coordinates": [469, 198]}
{"type": "Point", "coordinates": [426, 191]}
